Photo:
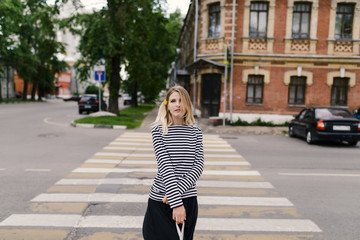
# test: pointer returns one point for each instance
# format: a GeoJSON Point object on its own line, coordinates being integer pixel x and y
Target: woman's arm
{"type": "Point", "coordinates": [194, 174]}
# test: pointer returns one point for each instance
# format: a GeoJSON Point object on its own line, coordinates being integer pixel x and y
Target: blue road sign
{"type": "Point", "coordinates": [100, 76]}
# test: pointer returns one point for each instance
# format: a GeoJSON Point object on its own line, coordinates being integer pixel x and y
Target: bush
{"type": "Point", "coordinates": [257, 122]}
{"type": "Point", "coordinates": [92, 89]}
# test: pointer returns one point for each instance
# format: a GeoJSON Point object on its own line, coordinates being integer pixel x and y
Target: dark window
{"type": "Point", "coordinates": [302, 114]}
{"type": "Point", "coordinates": [214, 20]}
{"type": "Point", "coordinates": [301, 20]}
{"type": "Point", "coordinates": [258, 19]}
{"type": "Point", "coordinates": [339, 91]}
{"type": "Point", "coordinates": [255, 87]}
{"type": "Point", "coordinates": [344, 21]}
{"type": "Point", "coordinates": [297, 90]}
{"type": "Point", "coordinates": [308, 115]}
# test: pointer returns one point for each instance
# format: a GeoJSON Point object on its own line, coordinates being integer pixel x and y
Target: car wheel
{"type": "Point", "coordinates": [352, 143]}
{"type": "Point", "coordinates": [80, 112]}
{"type": "Point", "coordinates": [291, 131]}
{"type": "Point", "coordinates": [309, 138]}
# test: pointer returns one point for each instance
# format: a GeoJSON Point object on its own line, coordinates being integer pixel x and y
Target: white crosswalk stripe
{"type": "Point", "coordinates": [154, 170]}
{"type": "Point", "coordinates": [208, 224]}
{"type": "Point", "coordinates": [147, 162]}
{"type": "Point", "coordinates": [131, 181]}
{"type": "Point", "coordinates": [150, 149]}
{"type": "Point", "coordinates": [116, 154]}
{"type": "Point", "coordinates": [137, 198]}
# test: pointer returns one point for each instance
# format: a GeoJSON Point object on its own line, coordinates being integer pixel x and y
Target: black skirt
{"type": "Point", "coordinates": [159, 225]}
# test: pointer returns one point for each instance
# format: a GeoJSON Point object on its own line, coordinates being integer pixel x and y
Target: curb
{"type": "Point", "coordinates": [84, 125]}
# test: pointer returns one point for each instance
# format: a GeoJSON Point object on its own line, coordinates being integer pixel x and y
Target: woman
{"type": "Point", "coordinates": [180, 158]}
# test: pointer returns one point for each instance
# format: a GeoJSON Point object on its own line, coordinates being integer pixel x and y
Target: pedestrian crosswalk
{"type": "Point", "coordinates": [106, 198]}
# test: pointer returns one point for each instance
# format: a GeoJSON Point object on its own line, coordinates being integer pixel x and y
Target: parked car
{"type": "Point", "coordinates": [128, 98]}
{"type": "Point", "coordinates": [90, 103]}
{"type": "Point", "coordinates": [325, 124]}
{"type": "Point", "coordinates": [72, 98]}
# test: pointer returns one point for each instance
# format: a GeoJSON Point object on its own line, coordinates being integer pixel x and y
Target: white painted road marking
{"type": "Point", "coordinates": [37, 170]}
{"type": "Point", "coordinates": [207, 224]}
{"type": "Point", "coordinates": [319, 174]}
{"type": "Point", "coordinates": [103, 161]}
{"type": "Point", "coordinates": [151, 149]}
{"type": "Point", "coordinates": [116, 154]}
{"type": "Point", "coordinates": [154, 170]}
{"type": "Point", "coordinates": [149, 182]}
{"type": "Point", "coordinates": [150, 162]}
{"type": "Point", "coordinates": [47, 120]}
{"type": "Point", "coordinates": [42, 220]}
{"type": "Point", "coordinates": [149, 144]}
{"type": "Point", "coordinates": [143, 198]}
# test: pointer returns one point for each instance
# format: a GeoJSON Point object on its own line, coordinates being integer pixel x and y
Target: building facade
{"type": "Point", "coordinates": [284, 55]}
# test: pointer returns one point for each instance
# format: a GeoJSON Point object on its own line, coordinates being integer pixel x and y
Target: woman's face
{"type": "Point", "coordinates": [175, 108]}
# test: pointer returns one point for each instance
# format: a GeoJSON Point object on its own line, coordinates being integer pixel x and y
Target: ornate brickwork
{"type": "Point", "coordinates": [343, 46]}
{"type": "Point", "coordinates": [212, 44]}
{"type": "Point", "coordinates": [257, 44]}
{"type": "Point", "coordinates": [300, 45]}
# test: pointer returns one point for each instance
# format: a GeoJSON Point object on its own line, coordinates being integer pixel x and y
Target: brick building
{"type": "Point", "coordinates": [286, 55]}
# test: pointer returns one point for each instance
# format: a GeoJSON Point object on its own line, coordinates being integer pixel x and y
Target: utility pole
{"type": "Point", "coordinates": [195, 51]}
{"type": "Point", "coordinates": [226, 62]}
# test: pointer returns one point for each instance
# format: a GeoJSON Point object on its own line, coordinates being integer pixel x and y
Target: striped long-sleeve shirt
{"type": "Point", "coordinates": [180, 160]}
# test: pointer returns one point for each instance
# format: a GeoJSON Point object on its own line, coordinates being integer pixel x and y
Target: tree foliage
{"type": "Point", "coordinates": [10, 16]}
{"type": "Point", "coordinates": [101, 38]}
{"type": "Point", "coordinates": [134, 33]}
{"type": "Point", "coordinates": [31, 45]}
{"type": "Point", "coordinates": [151, 47]}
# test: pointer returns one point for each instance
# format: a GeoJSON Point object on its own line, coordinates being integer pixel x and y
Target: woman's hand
{"type": "Point", "coordinates": [179, 214]}
{"type": "Point", "coordinates": [165, 200]}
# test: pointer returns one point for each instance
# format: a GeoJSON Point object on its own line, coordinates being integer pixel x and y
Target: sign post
{"type": "Point", "coordinates": [226, 62]}
{"type": "Point", "coordinates": [100, 77]}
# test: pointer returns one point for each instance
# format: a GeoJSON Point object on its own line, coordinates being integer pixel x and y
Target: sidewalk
{"type": "Point", "coordinates": [206, 127]}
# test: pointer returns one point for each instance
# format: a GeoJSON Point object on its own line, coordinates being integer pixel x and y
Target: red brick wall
{"type": "Point", "coordinates": [323, 26]}
{"type": "Point", "coordinates": [280, 26]}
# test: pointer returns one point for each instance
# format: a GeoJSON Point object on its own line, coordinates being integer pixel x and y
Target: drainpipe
{"type": "Point", "coordinates": [195, 50]}
{"type": "Point", "coordinates": [232, 59]}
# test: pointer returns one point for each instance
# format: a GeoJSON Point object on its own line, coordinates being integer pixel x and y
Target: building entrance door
{"type": "Point", "coordinates": [210, 94]}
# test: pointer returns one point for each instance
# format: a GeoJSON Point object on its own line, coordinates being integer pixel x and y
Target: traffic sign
{"type": "Point", "coordinates": [100, 76]}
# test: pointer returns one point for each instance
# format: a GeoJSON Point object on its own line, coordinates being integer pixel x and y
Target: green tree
{"type": "Point", "coordinates": [151, 49]}
{"type": "Point", "coordinates": [102, 37]}
{"type": "Point", "coordinates": [34, 56]}
{"type": "Point", "coordinates": [10, 17]}
{"type": "Point", "coordinates": [129, 32]}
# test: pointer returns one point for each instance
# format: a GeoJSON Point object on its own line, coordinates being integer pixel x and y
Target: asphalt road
{"type": "Point", "coordinates": [321, 180]}
{"type": "Point", "coordinates": [38, 147]}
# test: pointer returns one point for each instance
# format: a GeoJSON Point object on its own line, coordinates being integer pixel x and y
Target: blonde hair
{"type": "Point", "coordinates": [164, 118]}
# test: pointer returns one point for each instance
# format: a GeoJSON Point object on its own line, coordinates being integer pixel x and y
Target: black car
{"type": "Point", "coordinates": [325, 124]}
{"type": "Point", "coordinates": [90, 103]}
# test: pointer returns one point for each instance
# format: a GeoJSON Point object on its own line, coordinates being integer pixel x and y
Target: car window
{"type": "Point", "coordinates": [302, 114]}
{"type": "Point", "coordinates": [309, 114]}
{"type": "Point", "coordinates": [87, 98]}
{"type": "Point", "coordinates": [325, 113]}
